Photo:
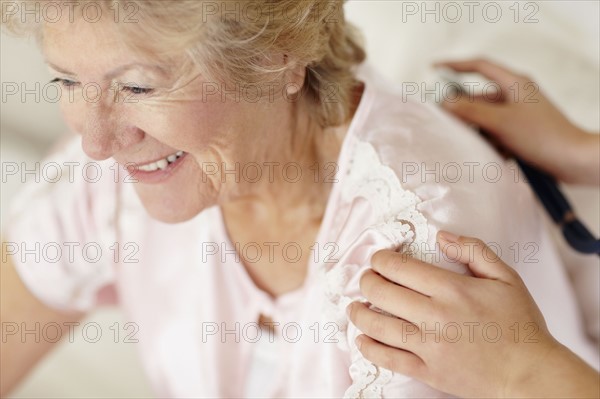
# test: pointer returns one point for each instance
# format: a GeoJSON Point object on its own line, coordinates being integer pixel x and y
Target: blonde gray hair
{"type": "Point", "coordinates": [236, 41]}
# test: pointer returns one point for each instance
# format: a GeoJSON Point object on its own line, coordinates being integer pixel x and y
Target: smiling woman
{"type": "Point", "coordinates": [176, 103]}
{"type": "Point", "coordinates": [258, 167]}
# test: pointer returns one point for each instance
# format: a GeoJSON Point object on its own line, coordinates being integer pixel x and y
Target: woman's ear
{"type": "Point", "coordinates": [294, 76]}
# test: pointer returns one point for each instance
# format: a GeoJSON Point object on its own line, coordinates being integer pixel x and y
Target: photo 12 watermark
{"type": "Point", "coordinates": [52, 12]}
{"type": "Point", "coordinates": [90, 332]}
{"type": "Point", "coordinates": [70, 252]}
{"type": "Point", "coordinates": [289, 332]}
{"type": "Point", "coordinates": [453, 12]}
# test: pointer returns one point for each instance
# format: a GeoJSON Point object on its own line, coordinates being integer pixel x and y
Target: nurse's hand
{"type": "Point", "coordinates": [526, 123]}
{"type": "Point", "coordinates": [480, 336]}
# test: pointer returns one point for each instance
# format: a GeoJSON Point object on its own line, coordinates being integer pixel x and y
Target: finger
{"type": "Point", "coordinates": [480, 258]}
{"type": "Point", "coordinates": [490, 116]}
{"type": "Point", "coordinates": [397, 360]}
{"type": "Point", "coordinates": [386, 329]}
{"type": "Point", "coordinates": [395, 299]}
{"type": "Point", "coordinates": [490, 70]}
{"type": "Point", "coordinates": [410, 272]}
{"type": "Point", "coordinates": [498, 145]}
{"type": "Point", "coordinates": [493, 97]}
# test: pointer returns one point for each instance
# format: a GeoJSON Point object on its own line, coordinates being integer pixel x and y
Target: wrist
{"type": "Point", "coordinates": [577, 158]}
{"type": "Point", "coordinates": [587, 158]}
{"type": "Point", "coordinates": [527, 375]}
{"type": "Point", "coordinates": [555, 373]}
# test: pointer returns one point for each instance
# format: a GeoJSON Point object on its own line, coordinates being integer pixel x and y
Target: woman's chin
{"type": "Point", "coordinates": [168, 206]}
{"type": "Point", "coordinates": [170, 217]}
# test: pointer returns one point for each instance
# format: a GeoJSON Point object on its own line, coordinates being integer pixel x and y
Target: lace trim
{"type": "Point", "coordinates": [397, 219]}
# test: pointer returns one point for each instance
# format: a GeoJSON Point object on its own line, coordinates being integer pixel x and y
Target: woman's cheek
{"type": "Point", "coordinates": [195, 126]}
{"type": "Point", "coordinates": [162, 124]}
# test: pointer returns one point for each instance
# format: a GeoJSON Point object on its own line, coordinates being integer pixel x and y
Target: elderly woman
{"type": "Point", "coordinates": [236, 168]}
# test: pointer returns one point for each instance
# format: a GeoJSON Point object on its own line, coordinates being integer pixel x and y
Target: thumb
{"type": "Point", "coordinates": [474, 253]}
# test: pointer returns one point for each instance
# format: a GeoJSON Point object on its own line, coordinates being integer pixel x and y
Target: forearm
{"type": "Point", "coordinates": [591, 168]}
{"type": "Point", "coordinates": [582, 160]}
{"type": "Point", "coordinates": [21, 311]}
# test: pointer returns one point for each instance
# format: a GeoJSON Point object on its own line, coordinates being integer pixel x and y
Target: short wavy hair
{"type": "Point", "coordinates": [235, 41]}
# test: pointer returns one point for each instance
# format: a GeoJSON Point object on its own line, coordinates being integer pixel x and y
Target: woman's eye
{"type": "Point", "coordinates": [137, 90]}
{"type": "Point", "coordinates": [64, 82]}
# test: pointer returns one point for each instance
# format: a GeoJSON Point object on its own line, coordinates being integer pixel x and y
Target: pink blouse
{"type": "Point", "coordinates": [406, 170]}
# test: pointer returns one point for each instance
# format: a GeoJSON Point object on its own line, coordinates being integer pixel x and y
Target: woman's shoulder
{"type": "Point", "coordinates": [403, 127]}
{"type": "Point", "coordinates": [412, 159]}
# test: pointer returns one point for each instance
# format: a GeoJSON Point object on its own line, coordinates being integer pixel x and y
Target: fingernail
{"type": "Point", "coordinates": [447, 236]}
{"type": "Point", "coordinates": [358, 341]}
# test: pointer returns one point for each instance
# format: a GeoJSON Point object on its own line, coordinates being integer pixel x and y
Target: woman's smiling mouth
{"type": "Point", "coordinates": [156, 171]}
{"type": "Point", "coordinates": [161, 164]}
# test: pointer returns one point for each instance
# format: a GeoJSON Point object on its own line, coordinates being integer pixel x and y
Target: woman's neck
{"type": "Point", "coordinates": [307, 165]}
{"type": "Point", "coordinates": [300, 186]}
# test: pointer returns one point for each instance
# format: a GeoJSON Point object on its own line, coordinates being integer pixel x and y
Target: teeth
{"type": "Point", "coordinates": [162, 163]}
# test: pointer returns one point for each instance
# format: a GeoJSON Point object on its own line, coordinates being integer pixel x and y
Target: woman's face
{"type": "Point", "coordinates": [196, 127]}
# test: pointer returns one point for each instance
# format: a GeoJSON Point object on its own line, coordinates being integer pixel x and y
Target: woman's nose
{"type": "Point", "coordinates": [104, 134]}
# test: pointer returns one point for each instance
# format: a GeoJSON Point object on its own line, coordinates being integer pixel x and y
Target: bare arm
{"type": "Point", "coordinates": [525, 122]}
{"type": "Point", "coordinates": [18, 309]}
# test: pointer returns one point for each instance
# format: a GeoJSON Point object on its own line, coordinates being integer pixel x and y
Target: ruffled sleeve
{"type": "Point", "coordinates": [60, 232]}
{"type": "Point", "coordinates": [414, 171]}
{"type": "Point", "coordinates": [388, 217]}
